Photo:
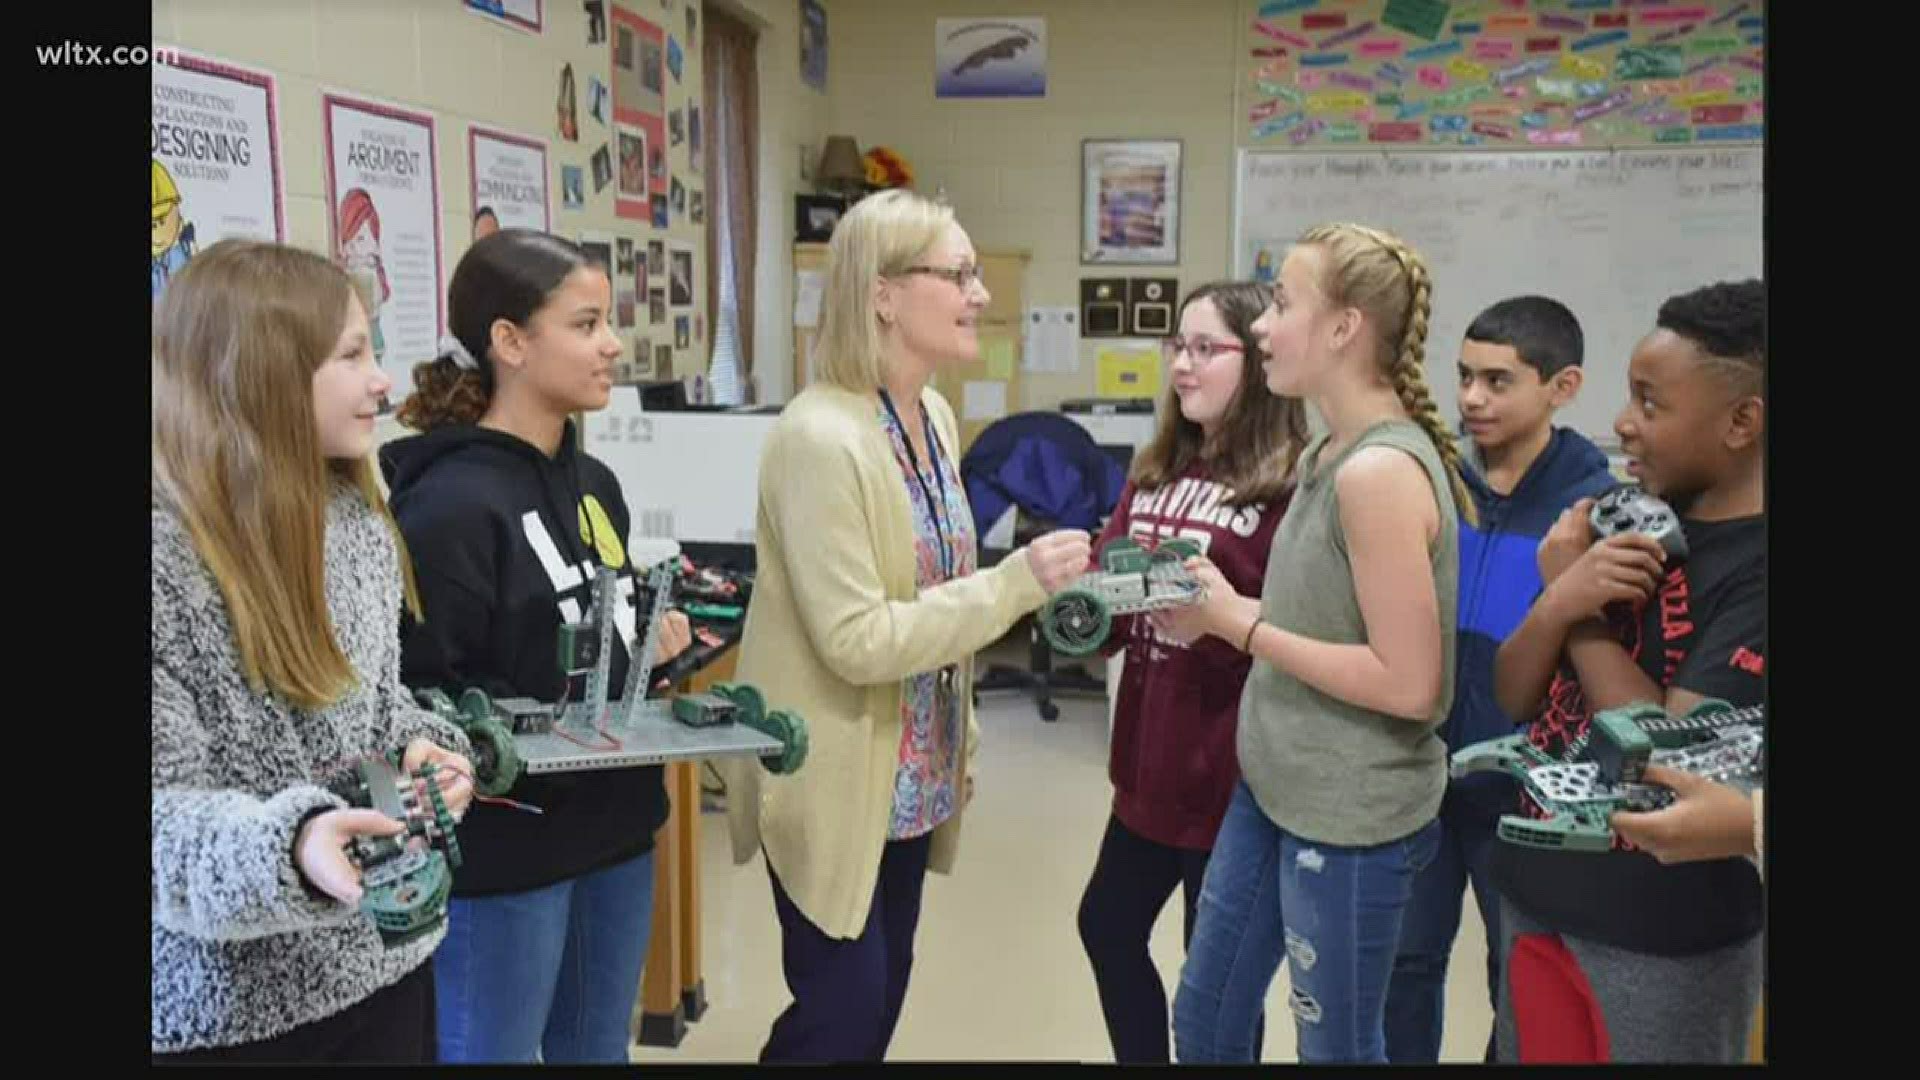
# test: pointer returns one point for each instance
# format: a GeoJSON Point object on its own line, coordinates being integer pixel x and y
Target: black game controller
{"type": "Point", "coordinates": [1629, 508]}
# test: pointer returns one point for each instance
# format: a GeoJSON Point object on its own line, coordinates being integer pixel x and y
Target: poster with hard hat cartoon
{"type": "Point", "coordinates": [216, 158]}
{"type": "Point", "coordinates": [383, 191]}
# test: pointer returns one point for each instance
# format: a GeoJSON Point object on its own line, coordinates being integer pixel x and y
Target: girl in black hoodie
{"type": "Point", "coordinates": [508, 520]}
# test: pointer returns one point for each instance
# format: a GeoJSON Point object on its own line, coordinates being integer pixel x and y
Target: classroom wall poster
{"type": "Point", "coordinates": [1552, 73]}
{"type": "Point", "coordinates": [990, 58]}
{"type": "Point", "coordinates": [525, 15]}
{"type": "Point", "coordinates": [1130, 202]}
{"type": "Point", "coordinates": [639, 98]}
{"type": "Point", "coordinates": [383, 223]}
{"type": "Point", "coordinates": [216, 158]}
{"type": "Point", "coordinates": [813, 44]}
{"type": "Point", "coordinates": [508, 175]}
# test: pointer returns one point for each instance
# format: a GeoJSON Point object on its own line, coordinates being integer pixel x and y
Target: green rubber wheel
{"type": "Point", "coordinates": [793, 737]}
{"type": "Point", "coordinates": [1179, 548]}
{"type": "Point", "coordinates": [436, 701]}
{"type": "Point", "coordinates": [475, 707]}
{"type": "Point", "coordinates": [1076, 622]}
{"type": "Point", "coordinates": [1118, 546]}
{"type": "Point", "coordinates": [752, 703]}
{"type": "Point", "coordinates": [496, 761]}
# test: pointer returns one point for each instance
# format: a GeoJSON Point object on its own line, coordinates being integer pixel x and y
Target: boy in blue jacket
{"type": "Point", "coordinates": [1519, 364]}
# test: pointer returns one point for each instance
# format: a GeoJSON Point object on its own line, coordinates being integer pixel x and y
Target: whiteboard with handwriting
{"type": "Point", "coordinates": [1609, 233]}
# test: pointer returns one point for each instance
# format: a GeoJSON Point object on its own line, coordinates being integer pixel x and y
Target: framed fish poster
{"type": "Point", "coordinates": [990, 58]}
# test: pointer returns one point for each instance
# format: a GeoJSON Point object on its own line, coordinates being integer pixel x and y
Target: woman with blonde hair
{"type": "Point", "coordinates": [866, 614]}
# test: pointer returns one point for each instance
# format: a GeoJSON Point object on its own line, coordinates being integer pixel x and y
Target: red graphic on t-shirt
{"type": "Point", "coordinates": [1567, 714]}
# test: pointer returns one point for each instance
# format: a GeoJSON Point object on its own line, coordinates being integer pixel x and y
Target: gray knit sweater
{"type": "Point", "coordinates": [242, 950]}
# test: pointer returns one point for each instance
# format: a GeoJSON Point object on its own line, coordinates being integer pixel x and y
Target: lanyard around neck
{"type": "Point", "coordinates": [913, 459]}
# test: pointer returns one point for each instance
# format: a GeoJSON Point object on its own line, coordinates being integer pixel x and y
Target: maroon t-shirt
{"type": "Point", "coordinates": [1173, 765]}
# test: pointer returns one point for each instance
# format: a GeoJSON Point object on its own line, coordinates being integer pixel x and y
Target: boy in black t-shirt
{"type": "Point", "coordinates": [1617, 957]}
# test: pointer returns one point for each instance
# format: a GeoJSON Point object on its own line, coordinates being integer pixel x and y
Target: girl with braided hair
{"type": "Point", "coordinates": [1342, 764]}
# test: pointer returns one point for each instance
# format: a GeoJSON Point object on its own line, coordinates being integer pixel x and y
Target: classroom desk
{"type": "Point", "coordinates": [672, 991]}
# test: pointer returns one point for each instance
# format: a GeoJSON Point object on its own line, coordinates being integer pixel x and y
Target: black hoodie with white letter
{"type": "Point", "coordinates": [503, 540]}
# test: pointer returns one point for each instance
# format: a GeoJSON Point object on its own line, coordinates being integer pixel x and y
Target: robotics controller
{"type": "Point", "coordinates": [1629, 508]}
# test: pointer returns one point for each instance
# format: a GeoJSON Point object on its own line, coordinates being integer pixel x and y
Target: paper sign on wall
{"type": "Point", "coordinates": [985, 400]}
{"type": "Point", "coordinates": [1129, 372]}
{"type": "Point", "coordinates": [999, 356]}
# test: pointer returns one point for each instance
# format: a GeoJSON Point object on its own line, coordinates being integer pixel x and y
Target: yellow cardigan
{"type": "Point", "coordinates": [836, 626]}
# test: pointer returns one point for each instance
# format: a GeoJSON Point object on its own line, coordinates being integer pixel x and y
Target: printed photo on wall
{"type": "Point", "coordinates": [699, 327]}
{"type": "Point", "coordinates": [663, 362]}
{"type": "Point", "coordinates": [659, 204]}
{"type": "Point", "coordinates": [990, 58]}
{"type": "Point", "coordinates": [693, 23]}
{"type": "Point", "coordinates": [679, 196]}
{"type": "Point", "coordinates": [596, 21]}
{"type": "Point", "coordinates": [656, 306]}
{"type": "Point", "coordinates": [623, 256]}
{"type": "Point", "coordinates": [639, 274]}
{"type": "Point", "coordinates": [682, 332]}
{"type": "Point", "coordinates": [573, 192]}
{"type": "Point", "coordinates": [697, 207]}
{"type": "Point", "coordinates": [597, 99]}
{"type": "Point", "coordinates": [1130, 201]}
{"type": "Point", "coordinates": [656, 257]}
{"type": "Point", "coordinates": [680, 283]}
{"type": "Point", "coordinates": [599, 249]}
{"type": "Point", "coordinates": [693, 137]}
{"type": "Point", "coordinates": [674, 59]}
{"type": "Point", "coordinates": [652, 57]}
{"type": "Point", "coordinates": [602, 168]}
{"type": "Point", "coordinates": [568, 106]}
{"type": "Point", "coordinates": [623, 308]}
{"type": "Point", "coordinates": [676, 127]}
{"type": "Point", "coordinates": [633, 163]}
{"type": "Point", "coordinates": [656, 162]}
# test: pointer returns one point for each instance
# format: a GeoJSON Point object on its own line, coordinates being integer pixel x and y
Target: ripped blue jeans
{"type": "Point", "coordinates": [1333, 912]}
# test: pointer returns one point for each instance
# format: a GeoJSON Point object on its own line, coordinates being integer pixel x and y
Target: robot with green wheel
{"type": "Point", "coordinates": [515, 737]}
{"type": "Point", "coordinates": [729, 703]}
{"type": "Point", "coordinates": [1132, 580]}
{"type": "Point", "coordinates": [405, 885]}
